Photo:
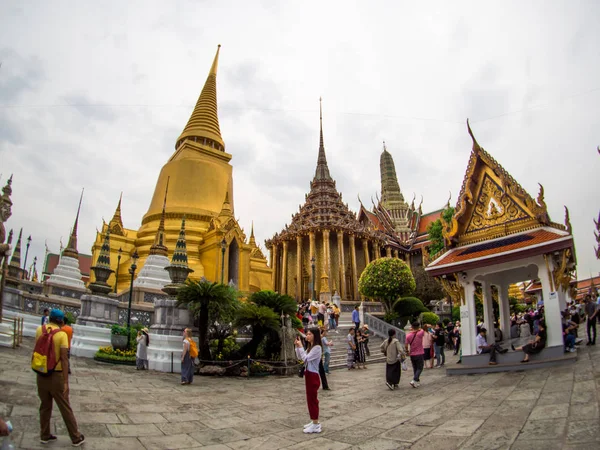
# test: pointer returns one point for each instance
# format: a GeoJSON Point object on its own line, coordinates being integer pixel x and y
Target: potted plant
{"type": "Point", "coordinates": [118, 337]}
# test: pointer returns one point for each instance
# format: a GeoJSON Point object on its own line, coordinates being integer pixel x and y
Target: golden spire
{"type": "Point", "coordinates": [159, 247]}
{"type": "Point", "coordinates": [226, 208]}
{"type": "Point", "coordinates": [71, 249]}
{"type": "Point", "coordinates": [116, 223]}
{"type": "Point", "coordinates": [15, 261]}
{"type": "Point", "coordinates": [203, 126]}
{"type": "Point", "coordinates": [322, 172]}
{"type": "Point", "coordinates": [252, 239]}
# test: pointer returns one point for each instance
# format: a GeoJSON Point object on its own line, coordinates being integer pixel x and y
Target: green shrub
{"type": "Point", "coordinates": [119, 330]}
{"type": "Point", "coordinates": [70, 318]}
{"type": "Point", "coordinates": [456, 313]}
{"type": "Point", "coordinates": [410, 307]}
{"type": "Point", "coordinates": [430, 318]}
{"type": "Point", "coordinates": [391, 317]}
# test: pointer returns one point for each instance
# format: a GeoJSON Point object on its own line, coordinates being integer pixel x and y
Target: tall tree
{"type": "Point", "coordinates": [428, 288]}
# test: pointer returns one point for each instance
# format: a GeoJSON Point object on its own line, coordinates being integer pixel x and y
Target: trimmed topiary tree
{"type": "Point", "coordinates": [430, 318]}
{"type": "Point", "coordinates": [409, 308]}
{"type": "Point", "coordinates": [386, 280]}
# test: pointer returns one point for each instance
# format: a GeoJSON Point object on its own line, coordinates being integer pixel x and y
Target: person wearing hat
{"type": "Point", "coordinates": [54, 386]}
{"type": "Point", "coordinates": [141, 355]}
{"type": "Point", "coordinates": [366, 334]}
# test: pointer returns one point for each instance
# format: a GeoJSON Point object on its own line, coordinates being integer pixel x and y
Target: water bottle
{"type": "Point", "coordinates": [7, 443]}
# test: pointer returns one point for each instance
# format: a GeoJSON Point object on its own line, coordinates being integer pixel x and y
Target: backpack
{"type": "Point", "coordinates": [43, 360]}
{"type": "Point", "coordinates": [193, 348]}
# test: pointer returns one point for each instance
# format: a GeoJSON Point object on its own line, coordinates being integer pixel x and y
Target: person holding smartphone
{"type": "Point", "coordinates": [311, 358]}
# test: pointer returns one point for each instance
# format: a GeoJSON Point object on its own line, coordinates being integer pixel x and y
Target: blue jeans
{"type": "Point", "coordinates": [440, 357]}
{"type": "Point", "coordinates": [332, 323]}
{"type": "Point", "coordinates": [569, 341]}
{"type": "Point", "coordinates": [326, 359]}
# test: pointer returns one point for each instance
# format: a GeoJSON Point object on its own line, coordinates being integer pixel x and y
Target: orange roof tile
{"type": "Point", "coordinates": [426, 220]}
{"type": "Point", "coordinates": [513, 246]}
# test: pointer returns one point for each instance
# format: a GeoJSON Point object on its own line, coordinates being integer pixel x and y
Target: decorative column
{"type": "Point", "coordinates": [395, 253]}
{"type": "Point", "coordinates": [311, 249]}
{"type": "Point", "coordinates": [354, 274]}
{"type": "Point", "coordinates": [342, 264]}
{"type": "Point", "coordinates": [388, 252]}
{"type": "Point", "coordinates": [504, 307]}
{"type": "Point", "coordinates": [325, 288]}
{"type": "Point", "coordinates": [275, 264]}
{"type": "Point", "coordinates": [552, 313]}
{"type": "Point", "coordinates": [488, 311]}
{"type": "Point", "coordinates": [468, 320]}
{"type": "Point", "coordinates": [284, 269]}
{"type": "Point", "coordinates": [299, 278]}
{"type": "Point", "coordinates": [366, 251]}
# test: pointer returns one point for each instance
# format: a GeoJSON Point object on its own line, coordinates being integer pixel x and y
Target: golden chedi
{"type": "Point", "coordinates": [200, 187]}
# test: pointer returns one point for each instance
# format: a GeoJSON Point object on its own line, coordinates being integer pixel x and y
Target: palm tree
{"type": "Point", "coordinates": [197, 296]}
{"type": "Point", "coordinates": [280, 303]}
{"type": "Point", "coordinates": [263, 321]}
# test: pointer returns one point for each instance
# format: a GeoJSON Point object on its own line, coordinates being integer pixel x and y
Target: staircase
{"type": "Point", "coordinates": [338, 351]}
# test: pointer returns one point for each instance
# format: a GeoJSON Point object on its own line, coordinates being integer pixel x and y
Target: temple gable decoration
{"type": "Point", "coordinates": [491, 203]}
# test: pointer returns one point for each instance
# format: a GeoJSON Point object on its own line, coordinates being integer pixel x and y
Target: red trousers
{"type": "Point", "coordinates": [312, 382]}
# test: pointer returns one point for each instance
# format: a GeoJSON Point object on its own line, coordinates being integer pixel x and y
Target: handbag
{"type": "Point", "coordinates": [404, 365]}
{"type": "Point", "coordinates": [301, 371]}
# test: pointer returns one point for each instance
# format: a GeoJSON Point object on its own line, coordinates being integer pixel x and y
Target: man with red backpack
{"type": "Point", "coordinates": [51, 363]}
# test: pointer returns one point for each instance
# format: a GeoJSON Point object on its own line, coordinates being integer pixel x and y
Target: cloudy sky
{"type": "Point", "coordinates": [94, 95]}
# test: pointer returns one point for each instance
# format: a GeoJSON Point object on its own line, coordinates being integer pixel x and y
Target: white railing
{"type": "Point", "coordinates": [380, 328]}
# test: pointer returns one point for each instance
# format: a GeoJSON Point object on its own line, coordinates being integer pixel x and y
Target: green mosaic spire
{"type": "Point", "coordinates": [104, 256]}
{"type": "Point", "coordinates": [15, 261]}
{"type": "Point", "coordinates": [180, 258]}
{"type": "Point", "coordinates": [390, 189]}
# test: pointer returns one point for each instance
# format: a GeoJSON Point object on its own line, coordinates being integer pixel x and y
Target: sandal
{"type": "Point", "coordinates": [525, 361]}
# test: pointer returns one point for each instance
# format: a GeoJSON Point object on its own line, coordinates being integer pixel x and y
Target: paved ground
{"type": "Point", "coordinates": [119, 408]}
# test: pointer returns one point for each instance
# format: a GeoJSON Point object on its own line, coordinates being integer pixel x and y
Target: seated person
{"type": "Point", "coordinates": [535, 346]}
{"type": "Point", "coordinates": [483, 347]}
{"type": "Point", "coordinates": [569, 331]}
{"type": "Point", "coordinates": [498, 332]}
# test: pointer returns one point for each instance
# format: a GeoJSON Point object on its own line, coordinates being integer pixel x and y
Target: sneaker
{"type": "Point", "coordinates": [413, 383]}
{"type": "Point", "coordinates": [389, 385]}
{"type": "Point", "coordinates": [396, 386]}
{"type": "Point", "coordinates": [308, 425]}
{"type": "Point", "coordinates": [79, 441]}
{"type": "Point", "coordinates": [313, 428]}
{"type": "Point", "coordinates": [493, 363]}
{"type": "Point", "coordinates": [52, 438]}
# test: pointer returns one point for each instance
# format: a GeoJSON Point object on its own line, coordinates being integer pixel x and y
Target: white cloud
{"type": "Point", "coordinates": [406, 74]}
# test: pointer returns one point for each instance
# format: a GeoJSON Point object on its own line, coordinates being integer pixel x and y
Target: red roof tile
{"type": "Point", "coordinates": [426, 220]}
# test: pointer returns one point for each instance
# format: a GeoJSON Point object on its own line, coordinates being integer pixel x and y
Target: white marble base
{"type": "Point", "coordinates": [6, 335]}
{"type": "Point", "coordinates": [67, 273]}
{"type": "Point", "coordinates": [30, 322]}
{"type": "Point", "coordinates": [88, 339]}
{"type": "Point", "coordinates": [153, 275]}
{"type": "Point", "coordinates": [160, 349]}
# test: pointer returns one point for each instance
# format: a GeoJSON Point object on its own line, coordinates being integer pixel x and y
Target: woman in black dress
{"type": "Point", "coordinates": [360, 356]}
{"type": "Point", "coordinates": [535, 346]}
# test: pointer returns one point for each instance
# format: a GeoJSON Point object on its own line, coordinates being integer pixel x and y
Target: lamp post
{"type": "Point", "coordinates": [27, 252]}
{"type": "Point", "coordinates": [223, 248]}
{"type": "Point", "coordinates": [117, 271]}
{"type": "Point", "coordinates": [134, 259]}
{"type": "Point", "coordinates": [313, 288]}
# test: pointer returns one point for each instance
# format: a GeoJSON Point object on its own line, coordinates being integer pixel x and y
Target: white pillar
{"type": "Point", "coordinates": [551, 305]}
{"type": "Point", "coordinates": [468, 320]}
{"type": "Point", "coordinates": [562, 298]}
{"type": "Point", "coordinates": [504, 305]}
{"type": "Point", "coordinates": [488, 311]}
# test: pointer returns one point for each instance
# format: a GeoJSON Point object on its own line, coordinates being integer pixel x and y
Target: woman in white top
{"type": "Point", "coordinates": [141, 355]}
{"type": "Point", "coordinates": [311, 358]}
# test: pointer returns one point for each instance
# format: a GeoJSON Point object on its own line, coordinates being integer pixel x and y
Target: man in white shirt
{"type": "Point", "coordinates": [483, 347]}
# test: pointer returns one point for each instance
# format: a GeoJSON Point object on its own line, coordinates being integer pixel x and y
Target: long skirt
{"type": "Point", "coordinates": [360, 354]}
{"type": "Point", "coordinates": [187, 369]}
{"type": "Point", "coordinates": [392, 373]}
{"type": "Point", "coordinates": [350, 358]}
{"type": "Point", "coordinates": [141, 364]}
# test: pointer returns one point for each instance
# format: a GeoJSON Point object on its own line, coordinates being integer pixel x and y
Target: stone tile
{"type": "Point", "coordinates": [432, 418]}
{"type": "Point", "coordinates": [581, 446]}
{"type": "Point", "coordinates": [21, 410]}
{"type": "Point", "coordinates": [535, 444]}
{"type": "Point", "coordinates": [583, 397]}
{"type": "Point", "coordinates": [215, 447]}
{"type": "Point", "coordinates": [271, 442]}
{"type": "Point", "coordinates": [225, 422]}
{"type": "Point", "coordinates": [390, 421]}
{"type": "Point", "coordinates": [439, 442]}
{"type": "Point", "coordinates": [407, 433]}
{"type": "Point", "coordinates": [32, 441]}
{"type": "Point", "coordinates": [552, 398]}
{"type": "Point", "coordinates": [223, 436]}
{"type": "Point", "coordinates": [353, 436]}
{"type": "Point", "coordinates": [170, 428]}
{"type": "Point", "coordinates": [134, 430]}
{"type": "Point", "coordinates": [544, 429]}
{"type": "Point", "coordinates": [457, 427]}
{"type": "Point", "coordinates": [583, 431]}
{"type": "Point", "coordinates": [584, 411]}
{"type": "Point", "coordinates": [183, 417]}
{"type": "Point", "coordinates": [90, 417]}
{"type": "Point", "coordinates": [524, 394]}
{"type": "Point", "coordinates": [319, 443]}
{"type": "Point", "coordinates": [140, 418]}
{"type": "Point", "coordinates": [383, 444]}
{"type": "Point", "coordinates": [175, 441]}
{"type": "Point", "coordinates": [556, 411]}
{"type": "Point", "coordinates": [88, 429]}
{"type": "Point", "coordinates": [491, 439]}
{"type": "Point", "coordinates": [473, 413]}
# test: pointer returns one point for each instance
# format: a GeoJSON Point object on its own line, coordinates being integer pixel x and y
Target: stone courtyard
{"type": "Point", "coordinates": [120, 408]}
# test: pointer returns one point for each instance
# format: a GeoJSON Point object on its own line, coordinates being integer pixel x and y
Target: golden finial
{"type": "Point", "coordinates": [71, 249]}
{"type": "Point", "coordinates": [568, 221]}
{"type": "Point", "coordinates": [540, 198]}
{"type": "Point", "coordinates": [449, 198]}
{"type": "Point", "coordinates": [476, 147]}
{"type": "Point", "coordinates": [159, 247]}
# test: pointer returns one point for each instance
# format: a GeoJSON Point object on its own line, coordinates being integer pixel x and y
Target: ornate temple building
{"type": "Point", "coordinates": [200, 188]}
{"type": "Point", "coordinates": [326, 230]}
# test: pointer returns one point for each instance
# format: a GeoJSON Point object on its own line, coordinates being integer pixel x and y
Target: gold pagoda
{"type": "Point", "coordinates": [200, 188]}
